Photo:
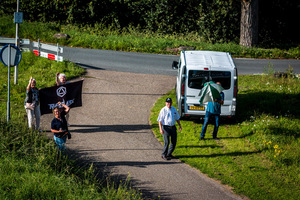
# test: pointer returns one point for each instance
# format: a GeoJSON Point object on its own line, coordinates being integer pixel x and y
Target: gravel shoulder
{"type": "Point", "coordinates": [112, 130]}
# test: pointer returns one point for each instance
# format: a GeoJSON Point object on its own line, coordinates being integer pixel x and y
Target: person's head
{"type": "Point", "coordinates": [169, 102]}
{"type": "Point", "coordinates": [32, 83]}
{"type": "Point", "coordinates": [62, 78]}
{"type": "Point", "coordinates": [56, 112]}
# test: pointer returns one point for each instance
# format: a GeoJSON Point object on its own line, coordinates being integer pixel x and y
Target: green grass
{"type": "Point", "coordinates": [132, 39]}
{"type": "Point", "coordinates": [30, 165]}
{"type": "Point", "coordinates": [259, 153]}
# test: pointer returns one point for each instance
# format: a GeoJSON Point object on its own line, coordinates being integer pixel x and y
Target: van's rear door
{"type": "Point", "coordinates": [195, 82]}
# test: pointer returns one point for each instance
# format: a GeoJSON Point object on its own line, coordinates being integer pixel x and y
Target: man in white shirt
{"type": "Point", "coordinates": [167, 118]}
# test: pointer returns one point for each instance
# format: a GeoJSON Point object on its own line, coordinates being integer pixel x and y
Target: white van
{"type": "Point", "coordinates": [195, 68]}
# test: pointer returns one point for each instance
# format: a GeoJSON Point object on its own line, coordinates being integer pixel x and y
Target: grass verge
{"type": "Point", "coordinates": [133, 39]}
{"type": "Point", "coordinates": [259, 153]}
{"type": "Point", "coordinates": [30, 166]}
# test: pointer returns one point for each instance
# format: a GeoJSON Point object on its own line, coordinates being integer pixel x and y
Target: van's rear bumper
{"type": "Point", "coordinates": [226, 111]}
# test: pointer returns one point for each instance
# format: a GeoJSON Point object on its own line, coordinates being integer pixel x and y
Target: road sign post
{"type": "Point", "coordinates": [18, 19]}
{"type": "Point", "coordinates": [10, 55]}
{"type": "Point", "coordinates": [8, 80]}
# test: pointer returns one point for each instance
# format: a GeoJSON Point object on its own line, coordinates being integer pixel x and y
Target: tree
{"type": "Point", "coordinates": [249, 23]}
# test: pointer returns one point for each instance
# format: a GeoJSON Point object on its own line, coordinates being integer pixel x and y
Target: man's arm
{"type": "Point", "coordinates": [29, 84]}
{"type": "Point", "coordinates": [56, 79]}
{"type": "Point", "coordinates": [56, 131]}
{"type": "Point", "coordinates": [67, 108]}
{"type": "Point", "coordinates": [178, 121]}
{"type": "Point", "coordinates": [219, 101]}
{"type": "Point", "coordinates": [222, 99]}
{"type": "Point", "coordinates": [160, 128]}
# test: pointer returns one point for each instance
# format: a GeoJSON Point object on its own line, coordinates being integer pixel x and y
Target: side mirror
{"type": "Point", "coordinates": [175, 65]}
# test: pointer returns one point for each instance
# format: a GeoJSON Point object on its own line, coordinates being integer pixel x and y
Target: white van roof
{"type": "Point", "coordinates": [208, 59]}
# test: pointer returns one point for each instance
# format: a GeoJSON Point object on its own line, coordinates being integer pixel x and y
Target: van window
{"type": "Point", "coordinates": [198, 78]}
{"type": "Point", "coordinates": [223, 77]}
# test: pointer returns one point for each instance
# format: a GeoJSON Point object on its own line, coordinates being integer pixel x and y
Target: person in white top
{"type": "Point", "coordinates": [167, 118]}
{"type": "Point", "coordinates": [32, 104]}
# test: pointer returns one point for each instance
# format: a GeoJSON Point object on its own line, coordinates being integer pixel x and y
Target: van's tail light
{"type": "Point", "coordinates": [235, 91]}
{"type": "Point", "coordinates": [182, 89]}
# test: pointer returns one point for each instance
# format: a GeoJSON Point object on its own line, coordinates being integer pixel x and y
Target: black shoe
{"type": "Point", "coordinates": [202, 138]}
{"type": "Point", "coordinates": [69, 135]}
{"type": "Point", "coordinates": [216, 138]}
{"type": "Point", "coordinates": [171, 157]}
{"type": "Point", "coordinates": [165, 157]}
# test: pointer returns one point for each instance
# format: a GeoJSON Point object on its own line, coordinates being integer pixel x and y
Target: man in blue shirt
{"type": "Point", "coordinates": [213, 109]}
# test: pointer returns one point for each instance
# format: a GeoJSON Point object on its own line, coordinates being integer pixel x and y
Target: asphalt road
{"type": "Point", "coordinates": [161, 64]}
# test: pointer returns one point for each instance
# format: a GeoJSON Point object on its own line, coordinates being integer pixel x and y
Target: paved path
{"type": "Point", "coordinates": [112, 130]}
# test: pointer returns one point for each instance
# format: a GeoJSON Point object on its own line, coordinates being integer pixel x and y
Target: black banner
{"type": "Point", "coordinates": [69, 94]}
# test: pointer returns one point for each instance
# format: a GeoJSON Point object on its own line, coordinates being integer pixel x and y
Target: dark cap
{"type": "Point", "coordinates": [168, 100]}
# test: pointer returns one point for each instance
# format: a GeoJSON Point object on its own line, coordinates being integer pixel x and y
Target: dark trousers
{"type": "Point", "coordinates": [205, 123]}
{"type": "Point", "coordinates": [169, 131]}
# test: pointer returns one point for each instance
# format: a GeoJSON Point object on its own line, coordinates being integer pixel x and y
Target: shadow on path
{"type": "Point", "coordinates": [109, 128]}
{"type": "Point", "coordinates": [103, 171]}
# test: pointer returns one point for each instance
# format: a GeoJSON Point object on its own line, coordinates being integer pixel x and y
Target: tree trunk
{"type": "Point", "coordinates": [249, 23]}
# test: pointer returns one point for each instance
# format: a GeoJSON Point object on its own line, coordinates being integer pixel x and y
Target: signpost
{"type": "Point", "coordinates": [18, 19]}
{"type": "Point", "coordinates": [10, 55]}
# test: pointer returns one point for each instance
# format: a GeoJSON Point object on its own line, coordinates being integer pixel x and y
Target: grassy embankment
{"type": "Point", "coordinates": [259, 153]}
{"type": "Point", "coordinates": [30, 167]}
{"type": "Point", "coordinates": [132, 39]}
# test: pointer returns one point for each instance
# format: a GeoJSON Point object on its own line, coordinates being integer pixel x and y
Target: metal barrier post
{"type": "Point", "coordinates": [57, 51]}
{"type": "Point", "coordinates": [39, 48]}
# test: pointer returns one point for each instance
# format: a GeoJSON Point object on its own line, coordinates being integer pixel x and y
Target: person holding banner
{"type": "Point", "coordinates": [59, 126]}
{"type": "Point", "coordinates": [61, 79]}
{"type": "Point", "coordinates": [32, 104]}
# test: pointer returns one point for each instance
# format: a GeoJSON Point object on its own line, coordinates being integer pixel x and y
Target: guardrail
{"type": "Point", "coordinates": [38, 48]}
{"type": "Point", "coordinates": [41, 46]}
{"type": "Point", "coordinates": [13, 41]}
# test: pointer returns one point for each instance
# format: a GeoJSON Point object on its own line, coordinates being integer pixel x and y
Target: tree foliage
{"type": "Point", "coordinates": [214, 20]}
